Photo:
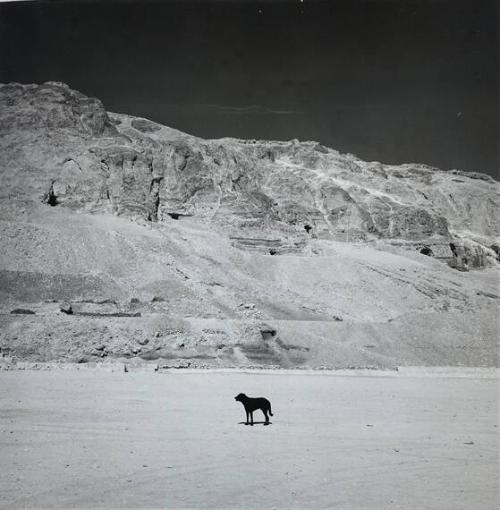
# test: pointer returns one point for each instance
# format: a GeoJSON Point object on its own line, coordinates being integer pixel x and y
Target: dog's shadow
{"type": "Point", "coordinates": [256, 423]}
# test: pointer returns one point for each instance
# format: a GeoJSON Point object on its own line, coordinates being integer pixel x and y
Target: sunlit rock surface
{"type": "Point", "coordinates": [349, 262]}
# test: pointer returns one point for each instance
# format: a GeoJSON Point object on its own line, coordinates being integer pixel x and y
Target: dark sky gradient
{"type": "Point", "coordinates": [389, 80]}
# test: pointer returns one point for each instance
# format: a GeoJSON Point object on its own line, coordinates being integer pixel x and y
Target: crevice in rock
{"type": "Point", "coordinates": [426, 250]}
{"type": "Point", "coordinates": [154, 193]}
{"type": "Point", "coordinates": [105, 167]}
{"type": "Point", "coordinates": [184, 163]}
{"type": "Point", "coordinates": [178, 216]}
{"type": "Point", "coordinates": [496, 249]}
{"type": "Point", "coordinates": [50, 197]}
{"type": "Point", "coordinates": [268, 333]}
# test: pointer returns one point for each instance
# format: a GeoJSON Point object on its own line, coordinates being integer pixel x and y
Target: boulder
{"type": "Point", "coordinates": [66, 308]}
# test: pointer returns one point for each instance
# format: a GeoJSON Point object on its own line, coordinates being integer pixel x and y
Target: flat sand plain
{"type": "Point", "coordinates": [102, 439]}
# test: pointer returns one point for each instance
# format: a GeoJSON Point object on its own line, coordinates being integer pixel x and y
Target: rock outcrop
{"type": "Point", "coordinates": [65, 148]}
{"type": "Point", "coordinates": [50, 106]}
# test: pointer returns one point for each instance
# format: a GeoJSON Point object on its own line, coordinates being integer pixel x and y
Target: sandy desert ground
{"type": "Point", "coordinates": [96, 438]}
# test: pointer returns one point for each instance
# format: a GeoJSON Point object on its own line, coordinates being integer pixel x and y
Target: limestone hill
{"type": "Point", "coordinates": [165, 247]}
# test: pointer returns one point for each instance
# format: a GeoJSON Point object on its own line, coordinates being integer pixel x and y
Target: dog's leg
{"type": "Point", "coordinates": [265, 415]}
{"type": "Point", "coordinates": [251, 418]}
{"type": "Point", "coordinates": [248, 418]}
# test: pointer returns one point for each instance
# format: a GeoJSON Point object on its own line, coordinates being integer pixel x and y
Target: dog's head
{"type": "Point", "coordinates": [240, 397]}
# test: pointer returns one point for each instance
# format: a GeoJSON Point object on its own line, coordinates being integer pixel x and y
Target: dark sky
{"type": "Point", "coordinates": [390, 80]}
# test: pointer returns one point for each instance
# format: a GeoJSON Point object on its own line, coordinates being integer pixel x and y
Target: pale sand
{"type": "Point", "coordinates": [95, 438]}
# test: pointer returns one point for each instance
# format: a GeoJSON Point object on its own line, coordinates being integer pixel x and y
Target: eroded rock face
{"type": "Point", "coordinates": [62, 148]}
{"type": "Point", "coordinates": [51, 105]}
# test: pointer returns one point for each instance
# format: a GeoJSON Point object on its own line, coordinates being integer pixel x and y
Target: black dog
{"type": "Point", "coordinates": [251, 404]}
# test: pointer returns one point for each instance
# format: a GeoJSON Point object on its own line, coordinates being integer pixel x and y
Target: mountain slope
{"type": "Point", "coordinates": [239, 252]}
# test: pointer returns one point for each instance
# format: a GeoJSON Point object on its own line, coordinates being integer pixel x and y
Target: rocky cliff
{"type": "Point", "coordinates": [240, 232]}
